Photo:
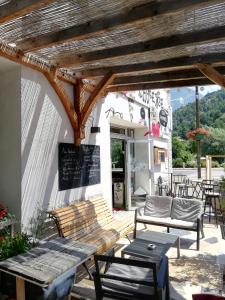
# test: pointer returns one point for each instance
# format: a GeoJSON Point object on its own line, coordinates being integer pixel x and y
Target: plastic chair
{"type": "Point", "coordinates": [207, 297]}
{"type": "Point", "coordinates": [131, 279]}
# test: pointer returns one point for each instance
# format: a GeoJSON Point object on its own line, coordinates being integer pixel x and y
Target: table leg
{"type": "Point", "coordinates": [178, 247]}
{"type": "Point", "coordinates": [20, 288]}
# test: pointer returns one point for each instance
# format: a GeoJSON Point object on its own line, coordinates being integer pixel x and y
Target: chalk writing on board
{"type": "Point", "coordinates": [78, 165]}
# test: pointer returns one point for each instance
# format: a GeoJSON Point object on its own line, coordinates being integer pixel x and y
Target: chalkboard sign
{"type": "Point", "coordinates": [78, 166]}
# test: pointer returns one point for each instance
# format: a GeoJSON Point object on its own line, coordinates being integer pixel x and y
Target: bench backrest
{"type": "Point", "coordinates": [78, 220]}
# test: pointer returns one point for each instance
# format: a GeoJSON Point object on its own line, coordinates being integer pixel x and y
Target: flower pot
{"type": "Point", "coordinates": [199, 136]}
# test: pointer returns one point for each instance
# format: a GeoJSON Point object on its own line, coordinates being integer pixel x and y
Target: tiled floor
{"type": "Point", "coordinates": [194, 272]}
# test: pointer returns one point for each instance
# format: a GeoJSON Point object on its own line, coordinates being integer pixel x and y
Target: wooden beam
{"type": "Point", "coordinates": [135, 15]}
{"type": "Point", "coordinates": [33, 62]}
{"type": "Point", "coordinates": [205, 35]}
{"type": "Point", "coordinates": [95, 96]}
{"type": "Point", "coordinates": [158, 85]}
{"type": "Point", "coordinates": [165, 65]}
{"type": "Point", "coordinates": [212, 74]}
{"type": "Point", "coordinates": [159, 77]}
{"type": "Point", "coordinates": [14, 8]}
{"type": "Point", "coordinates": [64, 98]}
{"type": "Point", "coordinates": [79, 132]}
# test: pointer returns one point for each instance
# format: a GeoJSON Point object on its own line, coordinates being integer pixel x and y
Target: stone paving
{"type": "Point", "coordinates": [195, 272]}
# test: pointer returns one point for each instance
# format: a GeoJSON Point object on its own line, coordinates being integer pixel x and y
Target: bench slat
{"type": "Point", "coordinates": [91, 221]}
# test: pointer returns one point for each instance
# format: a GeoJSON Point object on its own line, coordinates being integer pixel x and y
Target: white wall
{"type": "Point", "coordinates": [44, 125]}
{"type": "Point", "coordinates": [10, 161]}
{"type": "Point", "coordinates": [32, 123]}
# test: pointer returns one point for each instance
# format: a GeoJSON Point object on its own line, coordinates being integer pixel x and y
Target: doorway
{"type": "Point", "coordinates": [138, 169]}
{"type": "Point", "coordinates": [118, 146]}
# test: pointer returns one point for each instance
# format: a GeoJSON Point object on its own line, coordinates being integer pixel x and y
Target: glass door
{"type": "Point", "coordinates": [138, 172]}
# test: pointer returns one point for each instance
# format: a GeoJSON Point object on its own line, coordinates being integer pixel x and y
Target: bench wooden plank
{"type": "Point", "coordinates": [91, 221]}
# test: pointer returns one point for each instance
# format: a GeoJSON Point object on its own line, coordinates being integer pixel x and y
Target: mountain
{"type": "Point", "coordinates": [182, 96]}
{"type": "Point", "coordinates": [212, 114]}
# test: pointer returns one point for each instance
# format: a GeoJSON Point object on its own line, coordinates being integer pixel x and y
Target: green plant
{"type": "Point", "coordinates": [190, 164]}
{"type": "Point", "coordinates": [177, 163]}
{"type": "Point", "coordinates": [203, 163]}
{"type": "Point", "coordinates": [37, 224]}
{"type": "Point", "coordinates": [11, 246]}
{"type": "Point", "coordinates": [215, 164]}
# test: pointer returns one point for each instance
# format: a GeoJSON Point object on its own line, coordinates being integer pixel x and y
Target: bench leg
{"type": "Point", "coordinates": [178, 247]}
{"type": "Point", "coordinates": [198, 240]}
{"type": "Point", "coordinates": [168, 230]}
{"type": "Point", "coordinates": [127, 236]}
{"type": "Point", "coordinates": [135, 229]}
{"type": "Point", "coordinates": [84, 264]}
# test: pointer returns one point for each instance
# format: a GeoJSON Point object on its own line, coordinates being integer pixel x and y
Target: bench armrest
{"type": "Point", "coordinates": [139, 211]}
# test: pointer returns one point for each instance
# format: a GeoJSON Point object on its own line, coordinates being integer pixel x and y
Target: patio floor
{"type": "Point", "coordinates": [194, 272]}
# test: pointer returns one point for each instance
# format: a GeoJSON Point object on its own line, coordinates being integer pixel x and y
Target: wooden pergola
{"type": "Point", "coordinates": [102, 46]}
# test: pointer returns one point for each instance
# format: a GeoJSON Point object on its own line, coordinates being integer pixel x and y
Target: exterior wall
{"type": "Point", "coordinates": [10, 160]}
{"type": "Point", "coordinates": [33, 122]}
{"type": "Point", "coordinates": [45, 124]}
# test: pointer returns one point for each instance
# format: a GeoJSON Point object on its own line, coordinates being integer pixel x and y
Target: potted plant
{"type": "Point", "coordinates": [11, 246]}
{"type": "Point", "coordinates": [198, 134]}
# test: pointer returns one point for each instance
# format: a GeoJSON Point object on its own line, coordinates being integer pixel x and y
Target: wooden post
{"type": "Point", "coordinates": [210, 167]}
{"type": "Point", "coordinates": [198, 126]}
{"type": "Point", "coordinates": [206, 167]}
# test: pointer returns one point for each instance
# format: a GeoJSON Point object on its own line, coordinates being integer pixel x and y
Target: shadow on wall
{"type": "Point", "coordinates": [44, 125]}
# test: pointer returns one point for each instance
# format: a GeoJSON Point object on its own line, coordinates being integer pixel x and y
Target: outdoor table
{"type": "Point", "coordinates": [42, 265]}
{"type": "Point", "coordinates": [162, 241]}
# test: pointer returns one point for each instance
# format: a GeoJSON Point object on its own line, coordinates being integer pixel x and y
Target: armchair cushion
{"type": "Point", "coordinates": [157, 206]}
{"type": "Point", "coordinates": [186, 209]}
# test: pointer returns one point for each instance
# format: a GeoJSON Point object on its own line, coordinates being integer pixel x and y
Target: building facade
{"type": "Point", "coordinates": [132, 130]}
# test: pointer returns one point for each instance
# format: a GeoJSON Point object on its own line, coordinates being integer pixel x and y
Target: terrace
{"type": "Point", "coordinates": [80, 51]}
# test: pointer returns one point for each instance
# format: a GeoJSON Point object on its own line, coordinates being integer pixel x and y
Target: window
{"type": "Point", "coordinates": [159, 155]}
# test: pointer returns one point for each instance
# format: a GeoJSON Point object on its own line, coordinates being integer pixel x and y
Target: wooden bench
{"type": "Point", "coordinates": [91, 221]}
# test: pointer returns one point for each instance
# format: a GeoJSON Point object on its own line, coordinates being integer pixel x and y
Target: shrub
{"type": "Point", "coordinates": [177, 163]}
{"type": "Point", "coordinates": [215, 164]}
{"type": "Point", "coordinates": [223, 166]}
{"type": "Point", "coordinates": [190, 164]}
{"type": "Point", "coordinates": [203, 163]}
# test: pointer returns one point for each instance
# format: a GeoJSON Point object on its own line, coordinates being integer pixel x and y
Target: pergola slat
{"type": "Point", "coordinates": [162, 77]}
{"type": "Point", "coordinates": [159, 85]}
{"type": "Point", "coordinates": [168, 64]}
{"type": "Point", "coordinates": [14, 8]}
{"type": "Point", "coordinates": [137, 15]}
{"type": "Point", "coordinates": [139, 45]}
{"type": "Point", "coordinates": [138, 48]}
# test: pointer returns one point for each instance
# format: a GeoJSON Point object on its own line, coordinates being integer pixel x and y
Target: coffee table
{"type": "Point", "coordinates": [162, 241]}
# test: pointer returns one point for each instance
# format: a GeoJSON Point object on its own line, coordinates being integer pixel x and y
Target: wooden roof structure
{"type": "Point", "coordinates": [102, 46]}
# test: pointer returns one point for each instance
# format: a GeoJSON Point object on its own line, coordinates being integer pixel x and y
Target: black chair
{"type": "Point", "coordinates": [162, 186]}
{"type": "Point", "coordinates": [131, 279]}
{"type": "Point", "coordinates": [212, 194]}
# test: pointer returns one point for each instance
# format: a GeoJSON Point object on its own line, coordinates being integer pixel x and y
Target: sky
{"type": "Point", "coordinates": [208, 89]}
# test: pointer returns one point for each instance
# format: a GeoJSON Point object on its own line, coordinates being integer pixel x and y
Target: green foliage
{"type": "Point", "coordinates": [37, 224]}
{"type": "Point", "coordinates": [11, 246]}
{"type": "Point", "coordinates": [181, 152]}
{"type": "Point", "coordinates": [178, 162]}
{"type": "Point", "coordinates": [117, 153]}
{"type": "Point", "coordinates": [212, 114]}
{"type": "Point", "coordinates": [190, 164]}
{"type": "Point", "coordinates": [215, 164]}
{"type": "Point", "coordinates": [212, 117]}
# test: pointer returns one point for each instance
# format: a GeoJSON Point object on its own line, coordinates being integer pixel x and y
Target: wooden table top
{"type": "Point", "coordinates": [48, 261]}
